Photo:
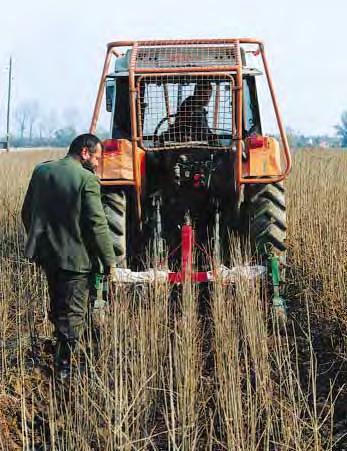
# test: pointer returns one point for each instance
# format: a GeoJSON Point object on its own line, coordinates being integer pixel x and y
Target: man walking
{"type": "Point", "coordinates": [67, 230]}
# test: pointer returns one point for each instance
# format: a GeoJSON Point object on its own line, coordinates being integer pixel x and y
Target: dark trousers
{"type": "Point", "coordinates": [69, 296]}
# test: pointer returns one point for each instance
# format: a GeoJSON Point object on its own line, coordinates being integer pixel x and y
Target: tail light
{"type": "Point", "coordinates": [111, 146]}
{"type": "Point", "coordinates": [255, 142]}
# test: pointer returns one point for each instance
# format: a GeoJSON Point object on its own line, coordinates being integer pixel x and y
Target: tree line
{"type": "Point", "coordinates": [338, 140]}
{"type": "Point", "coordinates": [34, 128]}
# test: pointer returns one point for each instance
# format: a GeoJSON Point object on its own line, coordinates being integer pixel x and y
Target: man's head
{"type": "Point", "coordinates": [87, 149]}
{"type": "Point", "coordinates": [203, 91]}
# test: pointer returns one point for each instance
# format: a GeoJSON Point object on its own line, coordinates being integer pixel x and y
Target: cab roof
{"type": "Point", "coordinates": [182, 58]}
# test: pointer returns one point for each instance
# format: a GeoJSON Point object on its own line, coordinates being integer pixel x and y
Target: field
{"type": "Point", "coordinates": [187, 375]}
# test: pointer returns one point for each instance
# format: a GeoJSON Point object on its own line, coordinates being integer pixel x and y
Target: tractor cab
{"type": "Point", "coordinates": [184, 110]}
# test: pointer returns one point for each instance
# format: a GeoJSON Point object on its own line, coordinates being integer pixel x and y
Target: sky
{"type": "Point", "coordinates": [58, 48]}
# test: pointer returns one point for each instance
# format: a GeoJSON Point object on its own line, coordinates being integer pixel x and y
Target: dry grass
{"type": "Point", "coordinates": [196, 371]}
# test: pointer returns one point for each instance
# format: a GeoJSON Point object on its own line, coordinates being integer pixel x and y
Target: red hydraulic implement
{"type": "Point", "coordinates": [186, 274]}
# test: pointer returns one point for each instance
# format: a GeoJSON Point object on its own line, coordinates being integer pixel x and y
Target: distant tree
{"type": "Point", "coordinates": [64, 136]}
{"type": "Point", "coordinates": [26, 115]}
{"type": "Point", "coordinates": [21, 116]}
{"type": "Point", "coordinates": [71, 117]}
{"type": "Point", "coordinates": [33, 110]}
{"type": "Point", "coordinates": [299, 140]}
{"type": "Point", "coordinates": [42, 129]}
{"type": "Point", "coordinates": [290, 136]}
{"type": "Point", "coordinates": [341, 129]}
{"type": "Point", "coordinates": [51, 122]}
{"type": "Point", "coordinates": [296, 139]}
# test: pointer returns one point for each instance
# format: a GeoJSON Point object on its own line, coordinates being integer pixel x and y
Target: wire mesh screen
{"type": "Point", "coordinates": [185, 111]}
{"type": "Point", "coordinates": [187, 56]}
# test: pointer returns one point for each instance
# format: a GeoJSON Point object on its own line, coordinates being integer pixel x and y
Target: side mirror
{"type": "Point", "coordinates": [110, 84]}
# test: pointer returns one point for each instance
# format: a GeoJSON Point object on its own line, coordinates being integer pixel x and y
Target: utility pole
{"type": "Point", "coordinates": [8, 105]}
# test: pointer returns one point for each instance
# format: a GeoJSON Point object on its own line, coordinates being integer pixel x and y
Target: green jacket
{"type": "Point", "coordinates": [64, 218]}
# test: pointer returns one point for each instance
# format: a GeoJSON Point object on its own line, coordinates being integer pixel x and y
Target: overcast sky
{"type": "Point", "coordinates": [58, 48]}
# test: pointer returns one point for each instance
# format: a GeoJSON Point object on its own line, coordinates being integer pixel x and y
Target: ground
{"type": "Point", "coordinates": [196, 371]}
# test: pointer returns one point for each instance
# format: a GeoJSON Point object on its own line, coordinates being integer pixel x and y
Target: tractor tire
{"type": "Point", "coordinates": [264, 213]}
{"type": "Point", "coordinates": [115, 205]}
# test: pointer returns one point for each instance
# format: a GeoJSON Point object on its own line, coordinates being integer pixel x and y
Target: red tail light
{"type": "Point", "coordinates": [111, 146]}
{"type": "Point", "coordinates": [255, 142]}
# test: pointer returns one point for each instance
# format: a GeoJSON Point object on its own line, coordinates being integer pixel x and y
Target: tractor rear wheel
{"type": "Point", "coordinates": [264, 215]}
{"type": "Point", "coordinates": [115, 204]}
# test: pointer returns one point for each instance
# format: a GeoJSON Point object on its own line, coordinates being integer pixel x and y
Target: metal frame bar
{"type": "Point", "coordinates": [286, 150]}
{"type": "Point", "coordinates": [216, 108]}
{"type": "Point", "coordinates": [164, 42]}
{"type": "Point", "coordinates": [100, 94]}
{"type": "Point", "coordinates": [239, 130]}
{"type": "Point", "coordinates": [132, 92]}
{"type": "Point", "coordinates": [167, 101]}
{"type": "Point", "coordinates": [118, 182]}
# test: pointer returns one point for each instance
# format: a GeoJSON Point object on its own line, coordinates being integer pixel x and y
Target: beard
{"type": "Point", "coordinates": [89, 166]}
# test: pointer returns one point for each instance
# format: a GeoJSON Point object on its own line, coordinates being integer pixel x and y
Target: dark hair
{"type": "Point", "coordinates": [86, 140]}
{"type": "Point", "coordinates": [202, 86]}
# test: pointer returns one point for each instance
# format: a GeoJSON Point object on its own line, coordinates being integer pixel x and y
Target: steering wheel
{"type": "Point", "coordinates": [160, 123]}
{"type": "Point", "coordinates": [167, 118]}
{"type": "Point", "coordinates": [221, 130]}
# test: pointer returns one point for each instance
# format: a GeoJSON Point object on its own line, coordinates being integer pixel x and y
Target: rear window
{"type": "Point", "coordinates": [186, 111]}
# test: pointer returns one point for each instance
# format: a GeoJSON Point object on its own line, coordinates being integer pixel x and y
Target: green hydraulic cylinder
{"type": "Point", "coordinates": [278, 302]}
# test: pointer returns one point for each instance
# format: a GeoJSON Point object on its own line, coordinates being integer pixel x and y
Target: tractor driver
{"type": "Point", "coordinates": [191, 123]}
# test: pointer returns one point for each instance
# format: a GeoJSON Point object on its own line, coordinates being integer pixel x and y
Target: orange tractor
{"type": "Point", "coordinates": [187, 161]}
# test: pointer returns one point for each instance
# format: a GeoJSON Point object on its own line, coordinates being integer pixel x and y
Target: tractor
{"type": "Point", "coordinates": [186, 161]}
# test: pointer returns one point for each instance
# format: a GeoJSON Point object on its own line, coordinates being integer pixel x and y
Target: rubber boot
{"type": "Point", "coordinates": [62, 359]}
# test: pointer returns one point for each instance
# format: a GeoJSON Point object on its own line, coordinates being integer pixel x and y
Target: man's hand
{"type": "Point", "coordinates": [111, 272]}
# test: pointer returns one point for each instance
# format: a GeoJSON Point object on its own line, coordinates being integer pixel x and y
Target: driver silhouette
{"type": "Point", "coordinates": [191, 123]}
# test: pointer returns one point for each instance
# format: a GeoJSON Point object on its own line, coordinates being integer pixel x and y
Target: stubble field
{"type": "Point", "coordinates": [178, 375]}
